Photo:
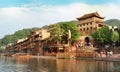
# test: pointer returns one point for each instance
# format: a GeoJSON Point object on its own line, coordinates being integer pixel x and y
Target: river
{"type": "Point", "coordinates": [49, 64]}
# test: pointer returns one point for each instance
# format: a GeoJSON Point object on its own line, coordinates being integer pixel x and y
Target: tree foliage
{"type": "Point", "coordinates": [102, 35]}
{"type": "Point", "coordinates": [56, 32]}
{"type": "Point", "coordinates": [114, 36]}
{"type": "Point", "coordinates": [59, 31]}
{"type": "Point", "coordinates": [119, 33]}
{"type": "Point", "coordinates": [72, 27]}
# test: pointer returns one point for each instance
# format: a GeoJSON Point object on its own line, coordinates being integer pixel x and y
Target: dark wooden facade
{"type": "Point", "coordinates": [32, 44]}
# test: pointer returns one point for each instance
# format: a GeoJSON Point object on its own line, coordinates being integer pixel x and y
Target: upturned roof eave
{"type": "Point", "coordinates": [89, 17]}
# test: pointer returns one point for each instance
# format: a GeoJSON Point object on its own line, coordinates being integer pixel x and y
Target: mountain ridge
{"type": "Point", "coordinates": [113, 22]}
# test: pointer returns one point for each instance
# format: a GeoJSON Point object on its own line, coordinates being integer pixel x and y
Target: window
{"type": "Point", "coordinates": [84, 29]}
{"type": "Point", "coordinates": [83, 24]}
{"type": "Point", "coordinates": [80, 25]}
{"type": "Point", "coordinates": [91, 23]}
{"type": "Point", "coordinates": [80, 29]}
{"type": "Point", "coordinates": [91, 28]}
{"type": "Point", "coordinates": [87, 28]}
{"type": "Point", "coordinates": [87, 23]}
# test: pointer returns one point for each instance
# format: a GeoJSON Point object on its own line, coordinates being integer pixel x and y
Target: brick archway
{"type": "Point", "coordinates": [87, 41]}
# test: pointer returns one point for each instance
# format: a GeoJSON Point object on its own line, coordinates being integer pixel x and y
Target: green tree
{"type": "Point", "coordinates": [102, 35]}
{"type": "Point", "coordinates": [119, 33]}
{"type": "Point", "coordinates": [114, 37]}
{"type": "Point", "coordinates": [56, 32]}
{"type": "Point", "coordinates": [72, 27]}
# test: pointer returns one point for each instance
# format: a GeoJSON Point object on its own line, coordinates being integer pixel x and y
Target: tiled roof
{"type": "Point", "coordinates": [95, 14]}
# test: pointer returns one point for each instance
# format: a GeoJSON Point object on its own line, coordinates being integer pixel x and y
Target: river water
{"type": "Point", "coordinates": [49, 64]}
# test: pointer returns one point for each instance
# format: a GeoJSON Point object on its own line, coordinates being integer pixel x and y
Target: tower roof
{"type": "Point", "coordinates": [95, 14]}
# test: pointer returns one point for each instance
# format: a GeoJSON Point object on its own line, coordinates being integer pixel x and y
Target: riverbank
{"type": "Point", "coordinates": [115, 57]}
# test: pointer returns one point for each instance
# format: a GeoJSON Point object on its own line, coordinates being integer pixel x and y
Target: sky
{"type": "Point", "coordinates": [19, 14]}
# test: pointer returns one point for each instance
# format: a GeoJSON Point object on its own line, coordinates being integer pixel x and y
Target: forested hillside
{"type": "Point", "coordinates": [20, 34]}
{"type": "Point", "coordinates": [113, 22]}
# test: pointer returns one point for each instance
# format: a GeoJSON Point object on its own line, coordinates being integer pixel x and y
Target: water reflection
{"type": "Point", "coordinates": [20, 64]}
{"type": "Point", "coordinates": [8, 64]}
{"type": "Point", "coordinates": [42, 65]}
{"type": "Point", "coordinates": [65, 65]}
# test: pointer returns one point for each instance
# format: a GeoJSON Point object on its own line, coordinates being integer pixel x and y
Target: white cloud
{"type": "Point", "coordinates": [16, 18]}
